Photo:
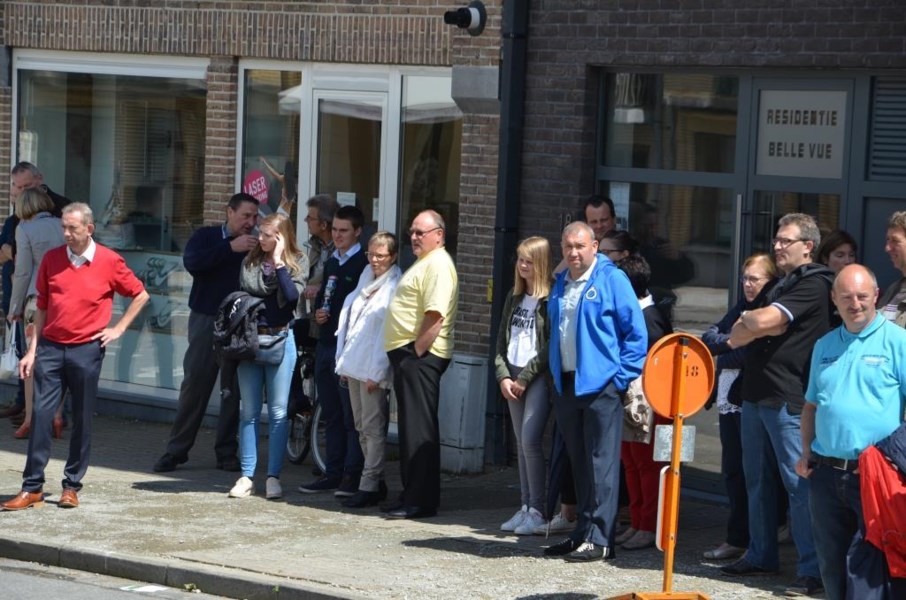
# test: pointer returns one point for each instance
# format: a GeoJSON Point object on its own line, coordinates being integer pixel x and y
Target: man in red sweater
{"type": "Point", "coordinates": [75, 284]}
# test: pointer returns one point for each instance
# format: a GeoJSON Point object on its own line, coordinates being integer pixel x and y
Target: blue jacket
{"type": "Point", "coordinates": [612, 339]}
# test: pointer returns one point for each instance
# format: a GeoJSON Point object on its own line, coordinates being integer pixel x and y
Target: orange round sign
{"type": "Point", "coordinates": [678, 375]}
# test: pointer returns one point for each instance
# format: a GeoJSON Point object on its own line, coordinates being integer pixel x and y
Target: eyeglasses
{"type": "Point", "coordinates": [784, 242]}
{"type": "Point", "coordinates": [421, 234]}
{"type": "Point", "coordinates": [751, 280]}
{"type": "Point", "coordinates": [609, 251]}
{"type": "Point", "coordinates": [371, 255]}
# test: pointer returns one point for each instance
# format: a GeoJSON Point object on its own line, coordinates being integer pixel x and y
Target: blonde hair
{"type": "Point", "coordinates": [31, 202]}
{"type": "Point", "coordinates": [291, 253]}
{"type": "Point", "coordinates": [766, 262]}
{"type": "Point", "coordinates": [538, 250]}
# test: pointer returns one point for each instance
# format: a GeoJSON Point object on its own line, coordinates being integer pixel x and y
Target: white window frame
{"type": "Point", "coordinates": [336, 81]}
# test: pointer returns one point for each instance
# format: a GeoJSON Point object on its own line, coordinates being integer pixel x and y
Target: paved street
{"type": "Point", "coordinates": [180, 528]}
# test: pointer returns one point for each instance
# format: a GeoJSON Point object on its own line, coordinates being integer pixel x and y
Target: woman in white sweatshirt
{"type": "Point", "coordinates": [361, 360]}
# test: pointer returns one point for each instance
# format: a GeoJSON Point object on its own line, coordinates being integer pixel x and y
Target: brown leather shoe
{"type": "Point", "coordinates": [68, 499]}
{"type": "Point", "coordinates": [24, 500]}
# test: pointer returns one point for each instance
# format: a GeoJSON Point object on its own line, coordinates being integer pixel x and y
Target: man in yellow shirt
{"type": "Point", "coordinates": [418, 338]}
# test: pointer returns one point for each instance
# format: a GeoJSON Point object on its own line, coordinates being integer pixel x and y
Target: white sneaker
{"type": "Point", "coordinates": [559, 524]}
{"type": "Point", "coordinates": [272, 489]}
{"type": "Point", "coordinates": [243, 489]}
{"type": "Point", "coordinates": [516, 520]}
{"type": "Point", "coordinates": [532, 520]}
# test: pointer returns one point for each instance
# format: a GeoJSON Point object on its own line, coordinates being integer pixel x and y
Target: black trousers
{"type": "Point", "coordinates": [59, 367]}
{"type": "Point", "coordinates": [416, 382]}
{"type": "Point", "coordinates": [199, 376]}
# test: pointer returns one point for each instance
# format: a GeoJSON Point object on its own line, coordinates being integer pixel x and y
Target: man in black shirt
{"type": "Point", "coordinates": [341, 276]}
{"type": "Point", "coordinates": [780, 337]}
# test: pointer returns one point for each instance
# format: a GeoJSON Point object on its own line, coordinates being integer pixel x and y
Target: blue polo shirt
{"type": "Point", "coordinates": [858, 382]}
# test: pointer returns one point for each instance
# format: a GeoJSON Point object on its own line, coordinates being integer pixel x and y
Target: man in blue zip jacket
{"type": "Point", "coordinates": [599, 347]}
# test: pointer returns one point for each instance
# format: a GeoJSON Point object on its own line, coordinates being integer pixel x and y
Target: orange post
{"type": "Point", "coordinates": [683, 363]}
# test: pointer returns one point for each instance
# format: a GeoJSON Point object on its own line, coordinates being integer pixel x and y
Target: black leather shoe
{"type": "Point", "coordinates": [412, 512]}
{"type": "Point", "coordinates": [349, 485]}
{"type": "Point", "coordinates": [563, 548]}
{"type": "Point", "coordinates": [393, 505]}
{"type": "Point", "coordinates": [361, 499]}
{"type": "Point", "coordinates": [588, 552]}
{"type": "Point", "coordinates": [168, 462]}
{"type": "Point", "coordinates": [11, 410]}
{"type": "Point", "coordinates": [743, 567]}
{"type": "Point", "coordinates": [230, 463]}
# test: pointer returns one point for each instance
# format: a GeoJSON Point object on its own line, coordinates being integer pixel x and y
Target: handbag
{"type": "Point", "coordinates": [9, 360]}
{"type": "Point", "coordinates": [271, 348]}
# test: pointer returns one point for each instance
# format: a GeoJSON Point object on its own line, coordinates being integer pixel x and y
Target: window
{"type": "Point", "coordinates": [126, 135]}
{"type": "Point", "coordinates": [430, 155]}
{"type": "Point", "coordinates": [270, 138]}
{"type": "Point", "coordinates": [684, 122]}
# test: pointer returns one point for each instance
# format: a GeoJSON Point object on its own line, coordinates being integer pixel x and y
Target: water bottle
{"type": "Point", "coordinates": [328, 292]}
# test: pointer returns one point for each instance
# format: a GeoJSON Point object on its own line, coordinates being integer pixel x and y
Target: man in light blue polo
{"type": "Point", "coordinates": [855, 394]}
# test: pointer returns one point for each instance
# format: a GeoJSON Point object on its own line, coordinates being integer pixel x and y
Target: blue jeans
{"type": "Point", "coordinates": [276, 379]}
{"type": "Point", "coordinates": [835, 501]}
{"type": "Point", "coordinates": [770, 441]}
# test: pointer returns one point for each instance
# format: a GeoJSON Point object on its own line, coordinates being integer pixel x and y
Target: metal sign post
{"type": "Point", "coordinates": [677, 379]}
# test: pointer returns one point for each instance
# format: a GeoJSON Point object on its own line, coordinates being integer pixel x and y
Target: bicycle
{"type": "Point", "coordinates": [306, 426]}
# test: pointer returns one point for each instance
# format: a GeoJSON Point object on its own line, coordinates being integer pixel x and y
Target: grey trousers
{"type": "Point", "coordinates": [199, 376]}
{"type": "Point", "coordinates": [370, 410]}
{"type": "Point", "coordinates": [529, 415]}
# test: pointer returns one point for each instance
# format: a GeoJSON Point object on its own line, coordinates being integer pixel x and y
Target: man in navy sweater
{"type": "Point", "coordinates": [213, 255]}
{"type": "Point", "coordinates": [341, 276]}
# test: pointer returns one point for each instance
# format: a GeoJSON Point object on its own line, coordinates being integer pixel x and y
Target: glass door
{"type": "Point", "coordinates": [800, 133]}
{"type": "Point", "coordinates": [349, 151]}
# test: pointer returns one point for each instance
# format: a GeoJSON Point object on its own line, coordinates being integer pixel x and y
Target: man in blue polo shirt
{"type": "Point", "coordinates": [854, 398]}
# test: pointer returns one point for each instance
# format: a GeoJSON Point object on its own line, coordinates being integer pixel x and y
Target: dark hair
{"type": "Point", "coordinates": [325, 205]}
{"type": "Point", "coordinates": [831, 242]}
{"type": "Point", "coordinates": [353, 214]}
{"type": "Point", "coordinates": [623, 241]}
{"type": "Point", "coordinates": [237, 200]}
{"type": "Point", "coordinates": [597, 201]}
{"type": "Point", "coordinates": [639, 273]}
{"type": "Point", "coordinates": [23, 166]}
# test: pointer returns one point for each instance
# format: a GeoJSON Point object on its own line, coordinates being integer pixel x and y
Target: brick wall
{"type": "Point", "coordinates": [399, 32]}
{"type": "Point", "coordinates": [477, 195]}
{"type": "Point", "coordinates": [569, 38]}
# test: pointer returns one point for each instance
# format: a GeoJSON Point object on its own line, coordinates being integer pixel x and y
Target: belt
{"type": "Point", "coordinates": [843, 464]}
{"type": "Point", "coordinates": [271, 330]}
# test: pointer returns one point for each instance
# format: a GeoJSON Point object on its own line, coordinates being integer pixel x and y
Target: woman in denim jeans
{"type": "Point", "coordinates": [274, 270]}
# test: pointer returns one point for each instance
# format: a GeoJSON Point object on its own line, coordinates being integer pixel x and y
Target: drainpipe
{"type": "Point", "coordinates": [514, 33]}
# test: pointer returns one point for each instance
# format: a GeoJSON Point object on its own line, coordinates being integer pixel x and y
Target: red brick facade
{"type": "Point", "coordinates": [392, 32]}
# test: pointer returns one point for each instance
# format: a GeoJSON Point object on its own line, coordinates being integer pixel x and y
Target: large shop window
{"type": "Point", "coordinates": [430, 156]}
{"type": "Point", "coordinates": [680, 122]}
{"type": "Point", "coordinates": [133, 148]}
{"type": "Point", "coordinates": [270, 138]}
{"type": "Point", "coordinates": [668, 147]}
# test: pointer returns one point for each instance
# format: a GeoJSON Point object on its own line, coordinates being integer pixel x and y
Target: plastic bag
{"type": "Point", "coordinates": [9, 360]}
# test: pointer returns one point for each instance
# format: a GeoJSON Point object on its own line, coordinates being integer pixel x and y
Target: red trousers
{"type": "Point", "coordinates": [642, 476]}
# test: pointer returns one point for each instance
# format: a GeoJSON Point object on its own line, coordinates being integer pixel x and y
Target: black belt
{"type": "Point", "coordinates": [843, 464]}
{"type": "Point", "coordinates": [271, 330]}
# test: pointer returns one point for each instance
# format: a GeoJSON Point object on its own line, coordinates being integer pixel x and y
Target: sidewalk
{"type": "Point", "coordinates": [180, 529]}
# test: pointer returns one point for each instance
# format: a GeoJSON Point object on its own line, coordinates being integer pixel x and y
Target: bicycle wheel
{"type": "Point", "coordinates": [298, 442]}
{"type": "Point", "coordinates": [318, 439]}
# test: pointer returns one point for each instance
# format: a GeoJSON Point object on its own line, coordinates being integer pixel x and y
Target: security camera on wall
{"type": "Point", "coordinates": [472, 17]}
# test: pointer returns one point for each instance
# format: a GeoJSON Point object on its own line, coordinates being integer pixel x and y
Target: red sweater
{"type": "Point", "coordinates": [79, 302]}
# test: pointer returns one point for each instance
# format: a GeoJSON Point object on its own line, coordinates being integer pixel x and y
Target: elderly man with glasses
{"type": "Point", "coordinates": [780, 337]}
{"type": "Point", "coordinates": [418, 338]}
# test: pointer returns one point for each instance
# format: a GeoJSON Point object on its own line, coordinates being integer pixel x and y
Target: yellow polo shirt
{"type": "Point", "coordinates": [429, 285]}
